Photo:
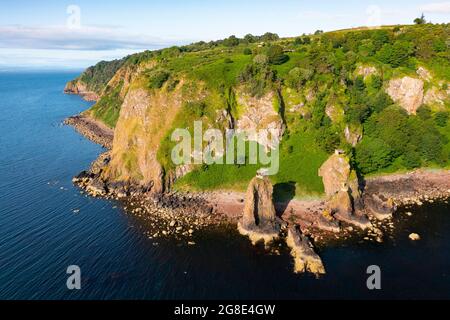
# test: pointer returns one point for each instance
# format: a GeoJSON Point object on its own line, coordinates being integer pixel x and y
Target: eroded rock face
{"type": "Point", "coordinates": [353, 135]}
{"type": "Point", "coordinates": [79, 88]}
{"type": "Point", "coordinates": [379, 206]}
{"type": "Point", "coordinates": [335, 173]}
{"type": "Point", "coordinates": [145, 117]}
{"type": "Point", "coordinates": [366, 71]}
{"type": "Point", "coordinates": [435, 96]}
{"type": "Point", "coordinates": [305, 259]}
{"type": "Point", "coordinates": [259, 220]}
{"type": "Point", "coordinates": [342, 189]}
{"type": "Point", "coordinates": [424, 74]}
{"type": "Point", "coordinates": [259, 114]}
{"type": "Point", "coordinates": [407, 92]}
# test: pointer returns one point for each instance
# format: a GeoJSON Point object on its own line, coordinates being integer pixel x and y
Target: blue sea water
{"type": "Point", "coordinates": [41, 235]}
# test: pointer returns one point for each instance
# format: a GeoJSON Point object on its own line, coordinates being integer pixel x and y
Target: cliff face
{"type": "Point", "coordinates": [145, 118]}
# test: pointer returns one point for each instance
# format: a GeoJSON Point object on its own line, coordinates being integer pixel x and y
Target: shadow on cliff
{"type": "Point", "coordinates": [283, 193]}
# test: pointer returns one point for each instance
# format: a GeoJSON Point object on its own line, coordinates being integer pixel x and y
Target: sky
{"type": "Point", "coordinates": [60, 34]}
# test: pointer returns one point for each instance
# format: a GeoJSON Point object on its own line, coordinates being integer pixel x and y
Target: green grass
{"type": "Point", "coordinates": [108, 108]}
{"type": "Point", "coordinates": [298, 174]}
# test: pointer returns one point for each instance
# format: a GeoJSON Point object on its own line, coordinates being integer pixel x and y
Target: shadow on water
{"type": "Point", "coordinates": [283, 193]}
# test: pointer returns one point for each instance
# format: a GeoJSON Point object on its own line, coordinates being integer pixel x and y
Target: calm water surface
{"type": "Point", "coordinates": [40, 235]}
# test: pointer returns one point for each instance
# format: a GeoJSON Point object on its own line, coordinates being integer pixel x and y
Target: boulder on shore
{"type": "Point", "coordinates": [259, 221]}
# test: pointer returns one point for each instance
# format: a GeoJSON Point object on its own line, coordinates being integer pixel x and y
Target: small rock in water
{"type": "Point", "coordinates": [414, 237]}
{"type": "Point", "coordinates": [76, 210]}
{"type": "Point", "coordinates": [409, 214]}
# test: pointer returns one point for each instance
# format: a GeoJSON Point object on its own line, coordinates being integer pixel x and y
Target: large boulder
{"type": "Point", "coordinates": [259, 221]}
{"type": "Point", "coordinates": [407, 92]}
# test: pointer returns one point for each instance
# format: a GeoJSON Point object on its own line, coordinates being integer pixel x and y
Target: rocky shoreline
{"type": "Point", "coordinates": [364, 210]}
{"type": "Point", "coordinates": [92, 130]}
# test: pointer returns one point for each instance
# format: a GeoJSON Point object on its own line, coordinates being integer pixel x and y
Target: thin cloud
{"type": "Point", "coordinates": [437, 7]}
{"type": "Point", "coordinates": [85, 38]}
{"type": "Point", "coordinates": [311, 14]}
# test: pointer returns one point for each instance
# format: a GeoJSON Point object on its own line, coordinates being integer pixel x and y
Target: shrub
{"type": "Point", "coordinates": [247, 51]}
{"type": "Point", "coordinates": [297, 77]}
{"type": "Point", "coordinates": [373, 154]}
{"type": "Point", "coordinates": [441, 118]}
{"type": "Point", "coordinates": [157, 79]}
{"type": "Point", "coordinates": [276, 55]}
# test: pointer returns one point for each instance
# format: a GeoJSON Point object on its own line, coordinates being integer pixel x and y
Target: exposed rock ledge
{"type": "Point", "coordinates": [92, 129]}
{"type": "Point", "coordinates": [79, 88]}
{"type": "Point", "coordinates": [305, 259]}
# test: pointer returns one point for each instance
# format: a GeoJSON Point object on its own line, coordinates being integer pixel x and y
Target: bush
{"type": "Point", "coordinates": [441, 119]}
{"type": "Point", "coordinates": [373, 154]}
{"type": "Point", "coordinates": [247, 51]}
{"type": "Point", "coordinates": [276, 55]}
{"type": "Point", "coordinates": [157, 79]}
{"type": "Point", "coordinates": [297, 77]}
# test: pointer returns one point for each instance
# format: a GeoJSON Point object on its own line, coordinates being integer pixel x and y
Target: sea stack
{"type": "Point", "coordinates": [259, 221]}
{"type": "Point", "coordinates": [342, 190]}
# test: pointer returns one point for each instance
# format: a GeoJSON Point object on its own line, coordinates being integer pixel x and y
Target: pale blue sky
{"type": "Point", "coordinates": [36, 34]}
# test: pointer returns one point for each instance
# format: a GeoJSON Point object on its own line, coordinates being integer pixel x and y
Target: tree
{"type": "Point", "coordinates": [268, 36]}
{"type": "Point", "coordinates": [420, 20]}
{"type": "Point", "coordinates": [247, 51]}
{"type": "Point", "coordinates": [397, 54]}
{"type": "Point", "coordinates": [298, 41]}
{"type": "Point", "coordinates": [276, 55]}
{"type": "Point", "coordinates": [250, 38]}
{"type": "Point", "coordinates": [232, 41]}
{"type": "Point", "coordinates": [373, 154]}
{"type": "Point", "coordinates": [441, 119]}
{"type": "Point", "coordinates": [297, 77]}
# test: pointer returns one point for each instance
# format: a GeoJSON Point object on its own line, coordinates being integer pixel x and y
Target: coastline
{"type": "Point", "coordinates": [181, 212]}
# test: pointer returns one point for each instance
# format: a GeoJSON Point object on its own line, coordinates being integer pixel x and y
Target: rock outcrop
{"type": "Point", "coordinates": [79, 88]}
{"type": "Point", "coordinates": [305, 259]}
{"type": "Point", "coordinates": [366, 71]}
{"type": "Point", "coordinates": [342, 189]}
{"type": "Point", "coordinates": [259, 221]}
{"type": "Point", "coordinates": [407, 92]}
{"type": "Point", "coordinates": [434, 96]}
{"type": "Point", "coordinates": [424, 74]}
{"type": "Point", "coordinates": [353, 135]}
{"type": "Point", "coordinates": [259, 113]}
{"type": "Point", "coordinates": [379, 206]}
